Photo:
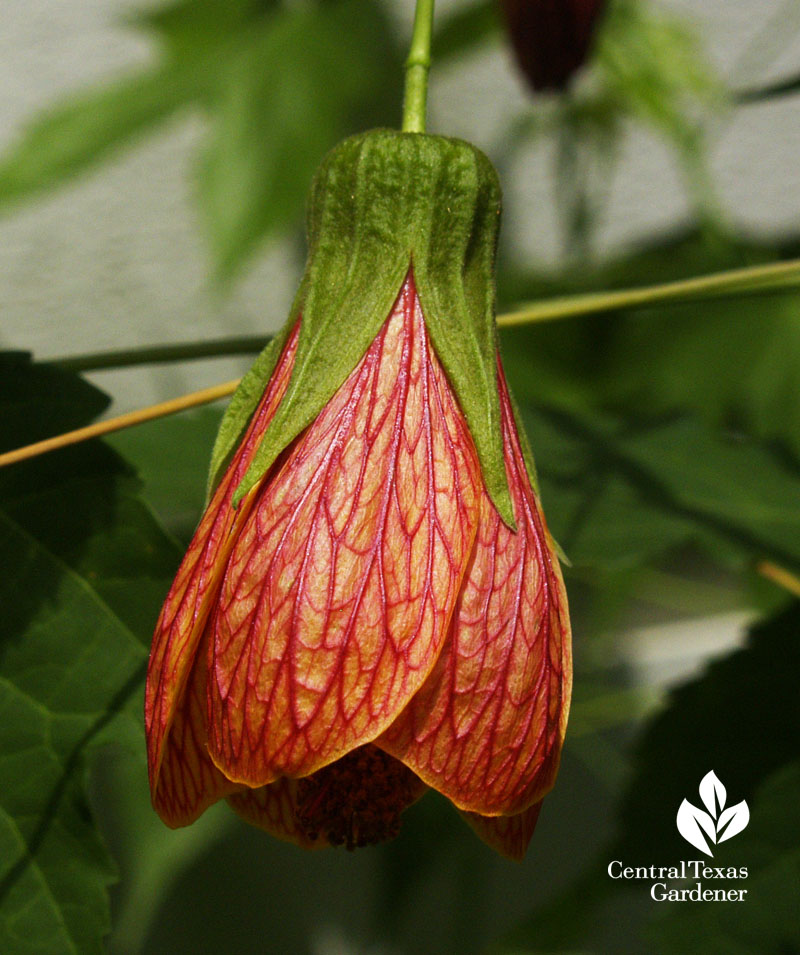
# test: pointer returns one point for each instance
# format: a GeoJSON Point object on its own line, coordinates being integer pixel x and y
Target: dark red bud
{"type": "Point", "coordinates": [551, 38]}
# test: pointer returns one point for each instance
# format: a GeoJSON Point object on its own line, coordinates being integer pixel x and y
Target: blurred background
{"type": "Point", "coordinates": [154, 161]}
{"type": "Point", "coordinates": [126, 249]}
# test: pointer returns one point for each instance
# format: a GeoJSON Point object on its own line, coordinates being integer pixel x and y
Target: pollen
{"type": "Point", "coordinates": [356, 801]}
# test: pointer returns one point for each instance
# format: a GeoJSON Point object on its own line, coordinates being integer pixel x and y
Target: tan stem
{"type": "Point", "coordinates": [780, 576]}
{"type": "Point", "coordinates": [773, 572]}
{"type": "Point", "coordinates": [128, 420]}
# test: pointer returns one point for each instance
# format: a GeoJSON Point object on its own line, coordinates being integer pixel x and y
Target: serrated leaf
{"type": "Point", "coordinates": [85, 567]}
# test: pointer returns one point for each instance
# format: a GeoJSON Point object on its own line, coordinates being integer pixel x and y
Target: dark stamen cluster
{"type": "Point", "coordinates": [357, 800]}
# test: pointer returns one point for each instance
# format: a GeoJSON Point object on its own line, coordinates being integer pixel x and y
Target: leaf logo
{"type": "Point", "coordinates": [717, 824]}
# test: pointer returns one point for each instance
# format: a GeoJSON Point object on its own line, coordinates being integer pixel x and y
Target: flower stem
{"type": "Point", "coordinates": [417, 66]}
{"type": "Point", "coordinates": [119, 423]}
{"type": "Point", "coordinates": [779, 576]}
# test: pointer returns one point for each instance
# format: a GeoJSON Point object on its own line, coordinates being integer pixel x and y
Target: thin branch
{"type": "Point", "coordinates": [162, 354]}
{"type": "Point", "coordinates": [192, 400]}
{"type": "Point", "coordinates": [780, 576]}
{"type": "Point", "coordinates": [761, 279]}
{"type": "Point", "coordinates": [785, 87]}
{"type": "Point", "coordinates": [753, 280]}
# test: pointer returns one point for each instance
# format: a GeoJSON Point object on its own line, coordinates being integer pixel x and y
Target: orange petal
{"type": "Point", "coordinates": [188, 782]}
{"type": "Point", "coordinates": [185, 611]}
{"type": "Point", "coordinates": [486, 728]}
{"type": "Point", "coordinates": [508, 835]}
{"type": "Point", "coordinates": [338, 594]}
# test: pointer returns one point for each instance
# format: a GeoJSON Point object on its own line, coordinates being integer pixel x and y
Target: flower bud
{"type": "Point", "coordinates": [551, 38]}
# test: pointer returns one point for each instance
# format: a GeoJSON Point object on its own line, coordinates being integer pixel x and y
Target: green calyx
{"type": "Point", "coordinates": [381, 203]}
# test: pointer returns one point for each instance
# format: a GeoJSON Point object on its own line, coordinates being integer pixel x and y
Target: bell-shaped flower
{"type": "Point", "coordinates": [371, 604]}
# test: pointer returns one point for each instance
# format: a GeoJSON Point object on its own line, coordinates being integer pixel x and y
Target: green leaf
{"type": "Point", "coordinates": [190, 28]}
{"type": "Point", "coordinates": [61, 400]}
{"type": "Point", "coordinates": [282, 100]}
{"type": "Point", "coordinates": [738, 362]}
{"type": "Point", "coordinates": [85, 569]}
{"type": "Point", "coordinates": [700, 471]}
{"type": "Point", "coordinates": [733, 362]}
{"type": "Point", "coordinates": [618, 495]}
{"type": "Point", "coordinates": [653, 63]}
{"type": "Point", "coordinates": [74, 135]}
{"type": "Point", "coordinates": [171, 459]}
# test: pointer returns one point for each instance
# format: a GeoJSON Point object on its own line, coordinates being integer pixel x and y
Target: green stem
{"type": "Point", "coordinates": [417, 66]}
{"type": "Point", "coordinates": [771, 279]}
{"type": "Point", "coordinates": [162, 354]}
{"type": "Point", "coordinates": [753, 280]}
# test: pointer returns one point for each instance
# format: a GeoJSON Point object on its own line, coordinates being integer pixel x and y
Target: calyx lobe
{"type": "Point", "coordinates": [382, 203]}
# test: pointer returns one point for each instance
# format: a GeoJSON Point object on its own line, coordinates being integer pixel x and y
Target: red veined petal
{"type": "Point", "coordinates": [186, 608]}
{"type": "Point", "coordinates": [338, 594]}
{"type": "Point", "coordinates": [188, 782]}
{"type": "Point", "coordinates": [508, 835]}
{"type": "Point", "coordinates": [486, 728]}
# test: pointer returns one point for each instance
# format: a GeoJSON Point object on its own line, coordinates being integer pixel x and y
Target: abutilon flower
{"type": "Point", "coordinates": [371, 604]}
{"type": "Point", "coordinates": [552, 39]}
